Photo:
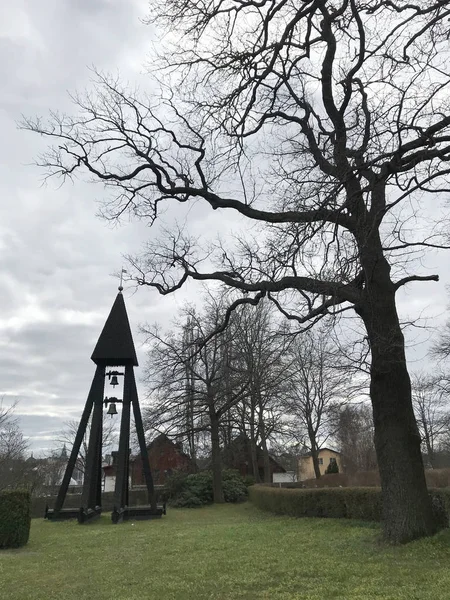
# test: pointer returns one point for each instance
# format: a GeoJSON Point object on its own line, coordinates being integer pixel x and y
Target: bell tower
{"type": "Point", "coordinates": [114, 348]}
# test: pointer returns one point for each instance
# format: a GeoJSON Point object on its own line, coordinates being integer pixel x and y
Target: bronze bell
{"type": "Point", "coordinates": [112, 410]}
{"type": "Point", "coordinates": [114, 381]}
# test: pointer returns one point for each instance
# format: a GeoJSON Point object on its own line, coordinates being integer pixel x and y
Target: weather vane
{"type": "Point", "coordinates": [121, 278]}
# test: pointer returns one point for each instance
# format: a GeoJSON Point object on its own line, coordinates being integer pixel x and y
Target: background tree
{"type": "Point", "coordinates": [67, 437]}
{"type": "Point", "coordinates": [329, 122]}
{"type": "Point", "coordinates": [215, 386]}
{"type": "Point", "coordinates": [261, 347]}
{"type": "Point", "coordinates": [354, 435]}
{"type": "Point", "coordinates": [432, 413]}
{"type": "Point", "coordinates": [317, 384]}
{"type": "Point", "coordinates": [13, 467]}
{"type": "Point", "coordinates": [441, 348]}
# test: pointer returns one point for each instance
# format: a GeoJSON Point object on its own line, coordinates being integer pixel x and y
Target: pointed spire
{"type": "Point", "coordinates": [115, 345]}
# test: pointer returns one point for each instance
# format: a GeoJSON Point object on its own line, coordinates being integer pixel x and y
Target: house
{"type": "Point", "coordinates": [237, 456]}
{"type": "Point", "coordinates": [326, 457]}
{"type": "Point", "coordinates": [109, 471]}
{"type": "Point", "coordinates": [165, 457]}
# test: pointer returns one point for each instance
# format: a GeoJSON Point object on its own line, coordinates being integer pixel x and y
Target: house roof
{"type": "Point", "coordinates": [115, 345]}
{"type": "Point", "coordinates": [240, 443]}
{"type": "Point", "coordinates": [307, 454]}
{"type": "Point", "coordinates": [162, 439]}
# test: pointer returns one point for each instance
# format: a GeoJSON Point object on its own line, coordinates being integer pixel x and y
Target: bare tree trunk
{"type": "Point", "coordinates": [406, 505]}
{"type": "Point", "coordinates": [315, 459]}
{"type": "Point", "coordinates": [428, 443]}
{"type": "Point", "coordinates": [252, 447]}
{"type": "Point", "coordinates": [266, 458]}
{"type": "Point", "coordinates": [216, 460]}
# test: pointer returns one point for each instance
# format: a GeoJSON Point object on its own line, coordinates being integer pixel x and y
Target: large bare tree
{"type": "Point", "coordinates": [326, 121]}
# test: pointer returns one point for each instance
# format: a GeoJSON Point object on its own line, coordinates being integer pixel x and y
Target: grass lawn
{"type": "Point", "coordinates": [225, 552]}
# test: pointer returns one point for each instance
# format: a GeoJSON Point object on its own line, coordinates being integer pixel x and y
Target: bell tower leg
{"type": "Point", "coordinates": [95, 391]}
{"type": "Point", "coordinates": [92, 477]}
{"type": "Point", "coordinates": [142, 446]}
{"type": "Point", "coordinates": [123, 457]}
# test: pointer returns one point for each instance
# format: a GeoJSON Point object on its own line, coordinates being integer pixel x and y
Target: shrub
{"type": "Point", "coordinates": [234, 490]}
{"type": "Point", "coordinates": [354, 503]}
{"type": "Point", "coordinates": [174, 485]}
{"type": "Point", "coordinates": [200, 485]}
{"type": "Point", "coordinates": [350, 503]}
{"type": "Point", "coordinates": [332, 468]}
{"type": "Point", "coordinates": [440, 500]}
{"type": "Point", "coordinates": [197, 489]}
{"type": "Point", "coordinates": [249, 480]}
{"type": "Point", "coordinates": [186, 500]}
{"type": "Point", "coordinates": [14, 519]}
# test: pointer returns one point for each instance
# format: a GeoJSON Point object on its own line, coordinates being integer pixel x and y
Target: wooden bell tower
{"type": "Point", "coordinates": [114, 348]}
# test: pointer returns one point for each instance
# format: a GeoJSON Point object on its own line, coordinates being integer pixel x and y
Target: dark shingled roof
{"type": "Point", "coordinates": [115, 345]}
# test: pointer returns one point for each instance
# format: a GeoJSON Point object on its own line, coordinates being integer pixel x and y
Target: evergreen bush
{"type": "Point", "coordinates": [14, 519]}
{"type": "Point", "coordinates": [189, 491]}
{"type": "Point", "coordinates": [332, 468]}
{"type": "Point", "coordinates": [249, 480]}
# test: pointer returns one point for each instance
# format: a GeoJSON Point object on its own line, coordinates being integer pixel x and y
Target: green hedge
{"type": "Point", "coordinates": [342, 503]}
{"type": "Point", "coordinates": [14, 519]}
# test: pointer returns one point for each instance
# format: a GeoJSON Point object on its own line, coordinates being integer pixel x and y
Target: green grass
{"type": "Point", "coordinates": [222, 552]}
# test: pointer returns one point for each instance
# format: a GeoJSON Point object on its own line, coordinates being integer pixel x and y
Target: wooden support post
{"type": "Point", "coordinates": [93, 460]}
{"type": "Point", "coordinates": [123, 456]}
{"type": "Point", "coordinates": [95, 392]}
{"type": "Point", "coordinates": [98, 484]}
{"type": "Point", "coordinates": [142, 445]}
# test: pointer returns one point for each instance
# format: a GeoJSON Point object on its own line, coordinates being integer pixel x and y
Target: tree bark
{"type": "Point", "coordinates": [315, 459]}
{"type": "Point", "coordinates": [407, 510]}
{"type": "Point", "coordinates": [266, 458]}
{"type": "Point", "coordinates": [428, 444]}
{"type": "Point", "coordinates": [253, 452]}
{"type": "Point", "coordinates": [216, 460]}
{"type": "Point", "coordinates": [314, 449]}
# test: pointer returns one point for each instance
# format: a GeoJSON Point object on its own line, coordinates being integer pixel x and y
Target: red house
{"type": "Point", "coordinates": [165, 457]}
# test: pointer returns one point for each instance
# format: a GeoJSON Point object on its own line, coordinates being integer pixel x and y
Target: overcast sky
{"type": "Point", "coordinates": [56, 256]}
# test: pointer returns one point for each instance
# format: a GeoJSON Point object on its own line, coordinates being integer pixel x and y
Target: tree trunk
{"type": "Point", "coordinates": [216, 459]}
{"type": "Point", "coordinates": [253, 452]}
{"type": "Point", "coordinates": [406, 504]}
{"type": "Point", "coordinates": [315, 459]}
{"type": "Point", "coordinates": [262, 433]}
{"type": "Point", "coordinates": [267, 476]}
{"type": "Point", "coordinates": [428, 444]}
{"type": "Point", "coordinates": [314, 450]}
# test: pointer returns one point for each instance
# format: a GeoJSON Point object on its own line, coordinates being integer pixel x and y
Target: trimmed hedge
{"type": "Point", "coordinates": [14, 519]}
{"type": "Point", "coordinates": [341, 503]}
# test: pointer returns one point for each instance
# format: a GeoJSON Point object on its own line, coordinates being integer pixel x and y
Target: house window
{"type": "Point", "coordinates": [320, 461]}
{"type": "Point", "coordinates": [332, 461]}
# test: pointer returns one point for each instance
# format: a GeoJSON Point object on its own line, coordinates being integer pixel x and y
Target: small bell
{"type": "Point", "coordinates": [112, 410]}
{"type": "Point", "coordinates": [114, 381]}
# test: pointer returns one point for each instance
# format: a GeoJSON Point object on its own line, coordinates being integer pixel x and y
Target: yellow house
{"type": "Point", "coordinates": [326, 456]}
